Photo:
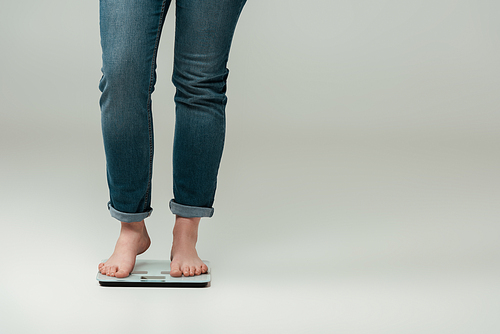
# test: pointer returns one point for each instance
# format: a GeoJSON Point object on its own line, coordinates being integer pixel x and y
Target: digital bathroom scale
{"type": "Point", "coordinates": [155, 273]}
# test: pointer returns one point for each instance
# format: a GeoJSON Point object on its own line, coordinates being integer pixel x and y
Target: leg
{"type": "Point", "coordinates": [203, 36]}
{"type": "Point", "coordinates": [130, 33]}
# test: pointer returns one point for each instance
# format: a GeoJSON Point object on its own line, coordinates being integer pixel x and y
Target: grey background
{"type": "Point", "coordinates": [358, 192]}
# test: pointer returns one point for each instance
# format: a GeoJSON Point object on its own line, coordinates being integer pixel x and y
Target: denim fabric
{"type": "Point", "coordinates": [130, 34]}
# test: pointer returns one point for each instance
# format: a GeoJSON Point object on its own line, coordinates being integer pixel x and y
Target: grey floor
{"type": "Point", "coordinates": [359, 189]}
{"type": "Point", "coordinates": [394, 235]}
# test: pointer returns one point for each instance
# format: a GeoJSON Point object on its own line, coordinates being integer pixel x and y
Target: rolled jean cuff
{"type": "Point", "coordinates": [128, 217]}
{"type": "Point", "coordinates": [190, 211]}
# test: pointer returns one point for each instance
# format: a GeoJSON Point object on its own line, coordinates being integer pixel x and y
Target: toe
{"type": "Point", "coordinates": [175, 271]}
{"type": "Point", "coordinates": [204, 269]}
{"type": "Point", "coordinates": [111, 271]}
{"type": "Point", "coordinates": [185, 271]}
{"type": "Point", "coordinates": [121, 273]}
{"type": "Point", "coordinates": [197, 270]}
{"type": "Point", "coordinates": [191, 271]}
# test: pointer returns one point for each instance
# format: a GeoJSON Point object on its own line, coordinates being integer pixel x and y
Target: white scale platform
{"type": "Point", "coordinates": [155, 273]}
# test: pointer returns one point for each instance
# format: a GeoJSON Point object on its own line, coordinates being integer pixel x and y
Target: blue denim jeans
{"type": "Point", "coordinates": [130, 33]}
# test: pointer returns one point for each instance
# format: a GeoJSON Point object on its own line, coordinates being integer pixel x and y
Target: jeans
{"type": "Point", "coordinates": [130, 33]}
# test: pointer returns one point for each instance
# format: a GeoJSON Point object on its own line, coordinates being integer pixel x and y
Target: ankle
{"type": "Point", "coordinates": [133, 227]}
{"type": "Point", "coordinates": [186, 228]}
{"type": "Point", "coordinates": [186, 225]}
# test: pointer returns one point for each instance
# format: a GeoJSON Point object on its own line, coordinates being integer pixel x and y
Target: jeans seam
{"type": "Point", "coordinates": [149, 108]}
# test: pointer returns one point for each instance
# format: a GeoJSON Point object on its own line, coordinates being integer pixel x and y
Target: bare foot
{"type": "Point", "coordinates": [185, 260]}
{"type": "Point", "coordinates": [133, 240]}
